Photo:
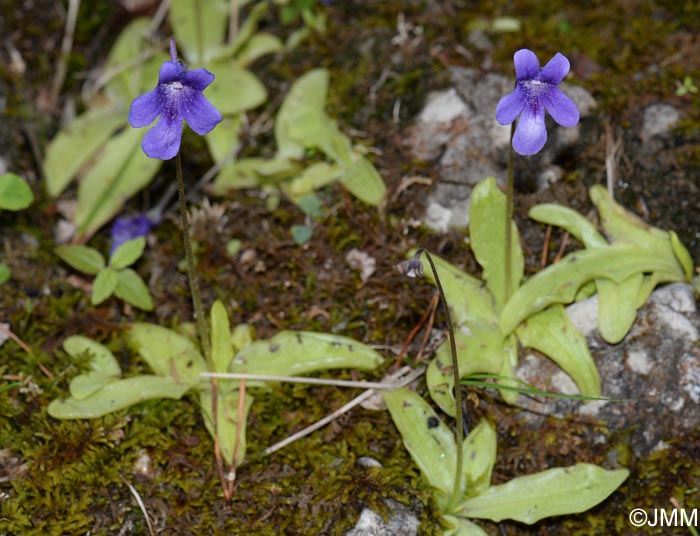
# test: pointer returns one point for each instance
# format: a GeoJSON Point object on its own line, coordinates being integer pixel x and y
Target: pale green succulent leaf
{"type": "Point", "coordinates": [122, 170]}
{"type": "Point", "coordinates": [168, 353]}
{"type": "Point", "coordinates": [104, 368]}
{"type": "Point", "coordinates": [77, 143]}
{"type": "Point", "coordinates": [617, 306]}
{"type": "Point", "coordinates": [558, 283]}
{"type": "Point", "coordinates": [487, 234]}
{"type": "Point", "coordinates": [199, 28]}
{"type": "Point", "coordinates": [479, 454]}
{"type": "Point", "coordinates": [221, 344]}
{"type": "Point", "coordinates": [249, 92]}
{"type": "Point", "coordinates": [429, 441]}
{"type": "Point", "coordinates": [571, 221]}
{"type": "Point", "coordinates": [117, 395]}
{"type": "Point", "coordinates": [290, 353]}
{"type": "Point", "coordinates": [553, 492]}
{"type": "Point", "coordinates": [551, 332]}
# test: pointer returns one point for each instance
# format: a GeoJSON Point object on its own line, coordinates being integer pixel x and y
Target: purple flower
{"type": "Point", "coordinates": [177, 98]}
{"type": "Point", "coordinates": [536, 91]}
{"type": "Point", "coordinates": [127, 228]}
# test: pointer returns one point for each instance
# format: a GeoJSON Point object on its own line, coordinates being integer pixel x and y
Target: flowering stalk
{"type": "Point", "coordinates": [202, 326]}
{"type": "Point", "coordinates": [178, 99]}
{"type": "Point", "coordinates": [414, 268]}
{"type": "Point", "coordinates": [509, 217]}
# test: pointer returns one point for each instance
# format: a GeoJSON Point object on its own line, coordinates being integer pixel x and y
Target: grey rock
{"type": "Point", "coordinates": [402, 522]}
{"type": "Point", "coordinates": [656, 369]}
{"type": "Point", "coordinates": [458, 129]}
{"type": "Point", "coordinates": [658, 120]}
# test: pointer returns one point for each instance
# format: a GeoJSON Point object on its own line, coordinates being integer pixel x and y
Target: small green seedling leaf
{"type": "Point", "coordinates": [301, 234]}
{"type": "Point", "coordinates": [551, 332]}
{"type": "Point", "coordinates": [167, 353]}
{"type": "Point", "coordinates": [119, 394]}
{"type": "Point", "coordinates": [363, 181]}
{"type": "Point", "coordinates": [429, 441]}
{"type": "Point", "coordinates": [104, 368]}
{"type": "Point", "coordinates": [291, 353]}
{"type": "Point", "coordinates": [132, 289]}
{"type": "Point", "coordinates": [487, 234]}
{"type": "Point", "coordinates": [15, 193]}
{"type": "Point", "coordinates": [554, 492]}
{"type": "Point", "coordinates": [311, 205]}
{"type": "Point", "coordinates": [127, 253]}
{"type": "Point", "coordinates": [104, 285]}
{"type": "Point", "coordinates": [4, 273]}
{"type": "Point", "coordinates": [221, 344]}
{"type": "Point", "coordinates": [83, 258]}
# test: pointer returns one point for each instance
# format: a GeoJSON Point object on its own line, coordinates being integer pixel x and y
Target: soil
{"type": "Point", "coordinates": [69, 477]}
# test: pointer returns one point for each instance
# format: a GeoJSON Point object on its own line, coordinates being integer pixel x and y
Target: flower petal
{"type": "Point", "coordinates": [530, 133]}
{"type": "Point", "coordinates": [163, 140]}
{"type": "Point", "coordinates": [510, 106]}
{"type": "Point", "coordinates": [170, 71]}
{"type": "Point", "coordinates": [555, 70]}
{"type": "Point", "coordinates": [198, 79]}
{"type": "Point", "coordinates": [562, 109]}
{"type": "Point", "coordinates": [127, 228]}
{"type": "Point", "coordinates": [144, 109]}
{"type": "Point", "coordinates": [199, 113]}
{"type": "Point", "coordinates": [526, 65]}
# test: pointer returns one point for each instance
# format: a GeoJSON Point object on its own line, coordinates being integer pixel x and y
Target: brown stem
{"type": "Point", "coordinates": [202, 326]}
